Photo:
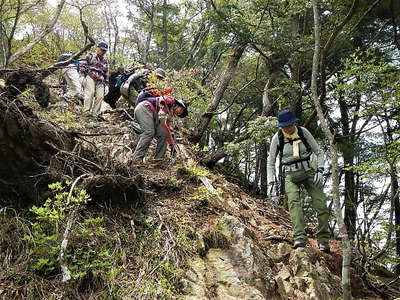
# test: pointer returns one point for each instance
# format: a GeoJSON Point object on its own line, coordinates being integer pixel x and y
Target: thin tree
{"type": "Point", "coordinates": [346, 246]}
{"type": "Point", "coordinates": [219, 92]}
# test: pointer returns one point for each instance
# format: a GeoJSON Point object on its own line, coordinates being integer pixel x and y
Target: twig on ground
{"type": "Point", "coordinates": [66, 274]}
{"type": "Point", "coordinates": [76, 156]}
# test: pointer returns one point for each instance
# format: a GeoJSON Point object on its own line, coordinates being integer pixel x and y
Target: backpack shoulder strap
{"type": "Point", "coordinates": [92, 58]}
{"type": "Point", "coordinates": [281, 142]}
{"type": "Point", "coordinates": [303, 138]}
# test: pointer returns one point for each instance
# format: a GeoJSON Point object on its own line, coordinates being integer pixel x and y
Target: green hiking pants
{"type": "Point", "coordinates": [296, 211]}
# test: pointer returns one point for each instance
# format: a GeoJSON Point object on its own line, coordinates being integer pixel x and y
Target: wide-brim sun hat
{"type": "Point", "coordinates": [286, 118]}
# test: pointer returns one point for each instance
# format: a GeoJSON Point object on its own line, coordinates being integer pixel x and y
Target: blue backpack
{"type": "Point", "coordinates": [66, 56]}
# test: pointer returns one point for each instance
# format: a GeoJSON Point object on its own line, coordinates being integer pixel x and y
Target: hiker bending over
{"type": "Point", "coordinates": [140, 80]}
{"type": "Point", "coordinates": [154, 116]}
{"type": "Point", "coordinates": [71, 76]}
{"type": "Point", "coordinates": [94, 70]}
{"type": "Point", "coordinates": [295, 144]}
{"type": "Point", "coordinates": [132, 80]}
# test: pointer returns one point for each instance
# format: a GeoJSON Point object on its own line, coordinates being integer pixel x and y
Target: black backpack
{"type": "Point", "coordinates": [281, 144]}
{"type": "Point", "coordinates": [281, 140]}
{"type": "Point", "coordinates": [140, 83]}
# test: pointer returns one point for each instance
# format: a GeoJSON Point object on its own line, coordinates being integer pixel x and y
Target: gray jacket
{"type": "Point", "coordinates": [288, 158]}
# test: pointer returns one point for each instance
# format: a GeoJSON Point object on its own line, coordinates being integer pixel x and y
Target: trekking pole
{"type": "Point", "coordinates": [125, 111]}
{"type": "Point", "coordinates": [175, 148]}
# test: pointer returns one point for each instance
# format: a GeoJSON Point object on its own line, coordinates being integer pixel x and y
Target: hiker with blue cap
{"type": "Point", "coordinates": [295, 144]}
{"type": "Point", "coordinates": [94, 70]}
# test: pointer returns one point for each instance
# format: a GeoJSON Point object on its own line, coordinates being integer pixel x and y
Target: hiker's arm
{"type": "Point", "coordinates": [314, 148]}
{"type": "Point", "coordinates": [273, 152]}
{"type": "Point", "coordinates": [137, 75]}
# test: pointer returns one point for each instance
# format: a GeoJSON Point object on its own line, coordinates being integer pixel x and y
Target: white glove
{"type": "Point", "coordinates": [272, 192]}
{"type": "Point", "coordinates": [318, 177]}
{"type": "Point", "coordinates": [106, 89]}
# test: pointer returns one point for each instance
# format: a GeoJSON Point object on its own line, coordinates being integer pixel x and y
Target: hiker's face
{"type": "Point", "coordinates": [100, 52]}
{"type": "Point", "coordinates": [178, 110]}
{"type": "Point", "coordinates": [289, 129]}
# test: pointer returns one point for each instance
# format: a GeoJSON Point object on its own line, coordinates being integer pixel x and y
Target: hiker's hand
{"type": "Point", "coordinates": [272, 192]}
{"type": "Point", "coordinates": [318, 178]}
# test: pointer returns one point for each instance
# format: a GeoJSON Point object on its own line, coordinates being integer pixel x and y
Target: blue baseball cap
{"type": "Point", "coordinates": [103, 46]}
{"type": "Point", "coordinates": [286, 118]}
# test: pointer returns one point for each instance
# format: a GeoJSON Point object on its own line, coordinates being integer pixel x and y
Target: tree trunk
{"type": "Point", "coordinates": [116, 35]}
{"type": "Point", "coordinates": [298, 64]}
{"type": "Point", "coordinates": [329, 43]}
{"type": "Point", "coordinates": [148, 41]}
{"type": "Point", "coordinates": [257, 170]}
{"type": "Point", "coordinates": [268, 105]}
{"type": "Point", "coordinates": [394, 25]}
{"type": "Point", "coordinates": [346, 246]}
{"type": "Point", "coordinates": [165, 29]}
{"type": "Point", "coordinates": [350, 201]}
{"type": "Point", "coordinates": [39, 38]}
{"type": "Point", "coordinates": [3, 53]}
{"type": "Point", "coordinates": [10, 37]}
{"type": "Point", "coordinates": [395, 194]}
{"type": "Point", "coordinates": [266, 98]}
{"type": "Point", "coordinates": [394, 184]}
{"type": "Point", "coordinates": [219, 92]}
{"type": "Point", "coordinates": [199, 37]}
{"type": "Point", "coordinates": [263, 168]}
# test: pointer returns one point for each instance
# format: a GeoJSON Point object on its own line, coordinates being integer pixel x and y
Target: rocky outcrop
{"type": "Point", "coordinates": [304, 276]}
{"type": "Point", "coordinates": [234, 266]}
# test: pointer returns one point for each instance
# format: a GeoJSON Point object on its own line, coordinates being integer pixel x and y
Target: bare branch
{"type": "Point", "coordinates": [39, 38]}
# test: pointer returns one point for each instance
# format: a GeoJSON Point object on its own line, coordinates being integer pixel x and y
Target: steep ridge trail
{"type": "Point", "coordinates": [164, 230]}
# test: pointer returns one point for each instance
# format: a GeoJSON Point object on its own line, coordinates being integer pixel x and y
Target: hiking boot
{"type": "Point", "coordinates": [299, 244]}
{"type": "Point", "coordinates": [325, 248]}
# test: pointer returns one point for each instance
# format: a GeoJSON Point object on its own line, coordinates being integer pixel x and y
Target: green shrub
{"type": "Point", "coordinates": [85, 254]}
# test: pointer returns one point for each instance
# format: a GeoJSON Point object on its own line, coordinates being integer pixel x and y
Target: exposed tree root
{"type": "Point", "coordinates": [18, 81]}
{"type": "Point", "coordinates": [34, 153]}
